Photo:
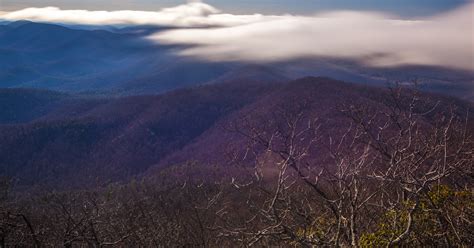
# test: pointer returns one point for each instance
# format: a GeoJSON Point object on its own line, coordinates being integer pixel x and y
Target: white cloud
{"type": "Point", "coordinates": [375, 38]}
{"type": "Point", "coordinates": [192, 14]}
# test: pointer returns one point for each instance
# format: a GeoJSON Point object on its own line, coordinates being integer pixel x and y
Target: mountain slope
{"type": "Point", "coordinates": [24, 105]}
{"type": "Point", "coordinates": [86, 142]}
{"type": "Point", "coordinates": [320, 98]}
{"type": "Point", "coordinates": [89, 142]}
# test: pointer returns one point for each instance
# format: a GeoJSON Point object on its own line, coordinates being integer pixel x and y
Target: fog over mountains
{"type": "Point", "coordinates": [374, 38]}
{"type": "Point", "coordinates": [123, 61]}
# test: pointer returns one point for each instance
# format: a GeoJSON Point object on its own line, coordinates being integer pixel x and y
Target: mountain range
{"type": "Point", "coordinates": [58, 140]}
{"type": "Point", "coordinates": [84, 107]}
{"type": "Point", "coordinates": [123, 61]}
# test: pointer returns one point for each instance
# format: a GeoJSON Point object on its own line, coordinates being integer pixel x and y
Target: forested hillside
{"type": "Point", "coordinates": [312, 162]}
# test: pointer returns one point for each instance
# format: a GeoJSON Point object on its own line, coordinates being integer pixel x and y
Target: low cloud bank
{"type": "Point", "coordinates": [373, 38]}
{"type": "Point", "coordinates": [376, 39]}
{"type": "Point", "coordinates": [192, 14]}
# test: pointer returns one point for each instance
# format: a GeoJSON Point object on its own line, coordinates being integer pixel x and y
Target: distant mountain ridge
{"type": "Point", "coordinates": [121, 61]}
{"type": "Point", "coordinates": [34, 55]}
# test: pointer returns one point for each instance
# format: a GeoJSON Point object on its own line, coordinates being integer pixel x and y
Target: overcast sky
{"type": "Point", "coordinates": [399, 7]}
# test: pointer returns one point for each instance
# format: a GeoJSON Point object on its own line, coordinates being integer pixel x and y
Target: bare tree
{"type": "Point", "coordinates": [388, 158]}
